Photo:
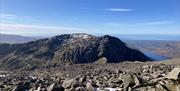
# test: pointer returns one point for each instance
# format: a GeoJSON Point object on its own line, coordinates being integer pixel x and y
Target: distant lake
{"type": "Point", "coordinates": [154, 56]}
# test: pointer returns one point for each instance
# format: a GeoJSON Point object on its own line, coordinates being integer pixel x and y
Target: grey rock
{"type": "Point", "coordinates": [160, 87]}
{"type": "Point", "coordinates": [89, 87]}
{"type": "Point", "coordinates": [128, 81]}
{"type": "Point", "coordinates": [174, 74]}
{"type": "Point", "coordinates": [80, 89]}
{"type": "Point", "coordinates": [49, 88]}
{"type": "Point", "coordinates": [102, 60]}
{"type": "Point", "coordinates": [67, 83]}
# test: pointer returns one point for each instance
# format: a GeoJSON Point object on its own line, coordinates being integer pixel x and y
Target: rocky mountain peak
{"type": "Point", "coordinates": [68, 49]}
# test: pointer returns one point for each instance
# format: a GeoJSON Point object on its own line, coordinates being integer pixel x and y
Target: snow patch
{"type": "Point", "coordinates": [80, 36]}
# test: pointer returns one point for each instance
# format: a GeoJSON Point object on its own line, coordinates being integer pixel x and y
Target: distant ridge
{"type": "Point", "coordinates": [11, 39]}
{"type": "Point", "coordinates": [67, 49]}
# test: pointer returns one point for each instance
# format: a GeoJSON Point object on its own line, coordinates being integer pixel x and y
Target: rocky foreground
{"type": "Point", "coordinates": [125, 76]}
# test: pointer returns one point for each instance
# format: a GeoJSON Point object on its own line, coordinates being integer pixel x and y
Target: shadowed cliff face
{"type": "Point", "coordinates": [67, 49]}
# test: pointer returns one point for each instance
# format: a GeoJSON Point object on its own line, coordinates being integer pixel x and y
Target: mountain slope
{"type": "Point", "coordinates": [67, 49]}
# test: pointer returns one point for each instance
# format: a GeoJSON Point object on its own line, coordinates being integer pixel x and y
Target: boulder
{"type": "Point", "coordinates": [145, 88]}
{"type": "Point", "coordinates": [160, 87]}
{"type": "Point", "coordinates": [82, 79]}
{"type": "Point", "coordinates": [55, 87]}
{"type": "Point", "coordinates": [172, 85]}
{"type": "Point", "coordinates": [80, 89]}
{"type": "Point", "coordinates": [132, 81]}
{"type": "Point", "coordinates": [49, 88]}
{"type": "Point", "coordinates": [22, 86]}
{"type": "Point", "coordinates": [70, 83]}
{"type": "Point", "coordinates": [128, 81]}
{"type": "Point", "coordinates": [174, 74]}
{"type": "Point", "coordinates": [71, 89]}
{"type": "Point", "coordinates": [67, 83]}
{"type": "Point", "coordinates": [102, 60]}
{"type": "Point", "coordinates": [89, 87]}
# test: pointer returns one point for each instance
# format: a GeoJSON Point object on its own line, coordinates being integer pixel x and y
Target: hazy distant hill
{"type": "Point", "coordinates": [169, 49]}
{"type": "Point", "coordinates": [67, 49]}
{"type": "Point", "coordinates": [4, 38]}
{"type": "Point", "coordinates": [150, 37]}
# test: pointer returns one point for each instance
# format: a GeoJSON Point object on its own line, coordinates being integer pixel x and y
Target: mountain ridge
{"type": "Point", "coordinates": [15, 39]}
{"type": "Point", "coordinates": [67, 49]}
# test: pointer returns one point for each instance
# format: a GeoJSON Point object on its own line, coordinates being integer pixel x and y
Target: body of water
{"type": "Point", "coordinates": [154, 56]}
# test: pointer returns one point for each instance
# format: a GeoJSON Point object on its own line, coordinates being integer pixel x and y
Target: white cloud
{"type": "Point", "coordinates": [25, 29]}
{"type": "Point", "coordinates": [118, 9]}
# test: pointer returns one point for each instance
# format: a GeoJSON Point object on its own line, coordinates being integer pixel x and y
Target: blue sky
{"type": "Point", "coordinates": [52, 17]}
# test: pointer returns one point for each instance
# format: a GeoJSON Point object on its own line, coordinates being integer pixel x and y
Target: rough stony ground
{"type": "Point", "coordinates": [126, 76]}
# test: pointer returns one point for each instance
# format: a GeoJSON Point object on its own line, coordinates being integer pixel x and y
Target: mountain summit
{"type": "Point", "coordinates": [67, 49]}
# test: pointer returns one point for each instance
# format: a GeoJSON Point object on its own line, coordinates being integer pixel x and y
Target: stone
{"type": "Point", "coordinates": [160, 87]}
{"type": "Point", "coordinates": [82, 79]}
{"type": "Point", "coordinates": [178, 87]}
{"type": "Point", "coordinates": [67, 83]}
{"type": "Point", "coordinates": [172, 85]}
{"type": "Point", "coordinates": [80, 89]}
{"type": "Point", "coordinates": [71, 89]}
{"type": "Point", "coordinates": [129, 88]}
{"type": "Point", "coordinates": [89, 87]}
{"type": "Point", "coordinates": [113, 85]}
{"type": "Point", "coordinates": [174, 74]}
{"type": "Point", "coordinates": [136, 81]}
{"type": "Point", "coordinates": [49, 88]}
{"type": "Point", "coordinates": [139, 80]}
{"type": "Point", "coordinates": [146, 88]}
{"type": "Point", "coordinates": [75, 83]}
{"type": "Point", "coordinates": [117, 81]}
{"type": "Point", "coordinates": [146, 67]}
{"type": "Point", "coordinates": [57, 87]}
{"type": "Point", "coordinates": [128, 81]}
{"type": "Point", "coordinates": [70, 83]}
{"type": "Point", "coordinates": [20, 87]}
{"type": "Point", "coordinates": [102, 60]}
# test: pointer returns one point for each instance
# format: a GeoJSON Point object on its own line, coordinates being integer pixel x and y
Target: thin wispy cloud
{"type": "Point", "coordinates": [7, 16]}
{"type": "Point", "coordinates": [118, 9]}
{"type": "Point", "coordinates": [14, 18]}
{"type": "Point", "coordinates": [109, 9]}
{"type": "Point", "coordinates": [159, 23]}
{"type": "Point", "coordinates": [142, 24]}
{"type": "Point", "coordinates": [36, 29]}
